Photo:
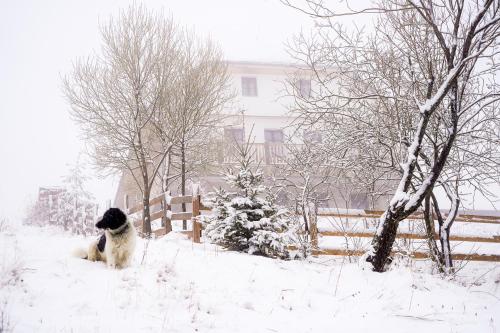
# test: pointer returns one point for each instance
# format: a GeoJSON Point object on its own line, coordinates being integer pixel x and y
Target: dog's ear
{"type": "Point", "coordinates": [112, 219]}
{"type": "Point", "coordinates": [119, 215]}
{"type": "Point", "coordinates": [101, 224]}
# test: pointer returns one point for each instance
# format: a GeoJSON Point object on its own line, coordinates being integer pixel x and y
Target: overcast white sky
{"type": "Point", "coordinates": [40, 39]}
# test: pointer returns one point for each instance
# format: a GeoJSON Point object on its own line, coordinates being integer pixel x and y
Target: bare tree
{"type": "Point", "coordinates": [201, 95]}
{"type": "Point", "coordinates": [305, 177]}
{"type": "Point", "coordinates": [115, 97]}
{"type": "Point", "coordinates": [154, 88]}
{"type": "Point", "coordinates": [429, 68]}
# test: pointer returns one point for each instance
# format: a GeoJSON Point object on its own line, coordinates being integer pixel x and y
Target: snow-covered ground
{"type": "Point", "coordinates": [176, 286]}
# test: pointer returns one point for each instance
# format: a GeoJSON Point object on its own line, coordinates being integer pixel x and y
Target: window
{"type": "Point", "coordinates": [304, 87]}
{"type": "Point", "coordinates": [234, 134]}
{"type": "Point", "coordinates": [274, 147]}
{"type": "Point", "coordinates": [312, 136]}
{"type": "Point", "coordinates": [273, 135]}
{"type": "Point", "coordinates": [249, 86]}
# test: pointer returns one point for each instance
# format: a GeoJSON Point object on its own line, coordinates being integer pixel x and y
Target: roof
{"type": "Point", "coordinates": [269, 68]}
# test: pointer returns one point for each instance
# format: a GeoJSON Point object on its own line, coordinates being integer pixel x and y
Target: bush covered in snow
{"type": "Point", "coordinates": [248, 220]}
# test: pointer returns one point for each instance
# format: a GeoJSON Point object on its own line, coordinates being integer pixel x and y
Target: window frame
{"type": "Point", "coordinates": [304, 89]}
{"type": "Point", "coordinates": [249, 86]}
{"type": "Point", "coordinates": [274, 130]}
{"type": "Point", "coordinates": [229, 134]}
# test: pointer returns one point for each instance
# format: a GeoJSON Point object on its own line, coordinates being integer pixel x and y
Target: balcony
{"type": "Point", "coordinates": [269, 153]}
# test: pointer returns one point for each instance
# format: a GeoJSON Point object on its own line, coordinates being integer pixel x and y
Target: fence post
{"type": "Point", "coordinates": [166, 212]}
{"type": "Point", "coordinates": [196, 212]}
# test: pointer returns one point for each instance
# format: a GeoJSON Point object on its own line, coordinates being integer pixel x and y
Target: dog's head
{"type": "Point", "coordinates": [112, 219]}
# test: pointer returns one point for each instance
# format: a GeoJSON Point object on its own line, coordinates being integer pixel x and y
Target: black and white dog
{"type": "Point", "coordinates": [116, 246]}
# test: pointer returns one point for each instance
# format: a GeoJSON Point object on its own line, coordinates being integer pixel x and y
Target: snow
{"type": "Point", "coordinates": [412, 202]}
{"type": "Point", "coordinates": [436, 98]}
{"type": "Point", "coordinates": [399, 196]}
{"type": "Point", "coordinates": [325, 211]}
{"type": "Point", "coordinates": [178, 286]}
{"type": "Point", "coordinates": [242, 202]}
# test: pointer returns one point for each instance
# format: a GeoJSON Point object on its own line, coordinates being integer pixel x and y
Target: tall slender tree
{"type": "Point", "coordinates": [127, 100]}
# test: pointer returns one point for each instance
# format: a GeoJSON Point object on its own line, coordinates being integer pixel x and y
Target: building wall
{"type": "Point", "coordinates": [267, 110]}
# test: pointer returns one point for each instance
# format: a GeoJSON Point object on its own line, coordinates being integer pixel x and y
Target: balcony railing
{"type": "Point", "coordinates": [263, 153]}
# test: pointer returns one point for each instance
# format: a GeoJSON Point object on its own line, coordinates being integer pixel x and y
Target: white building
{"type": "Point", "coordinates": [261, 111]}
{"type": "Point", "coordinates": [261, 107]}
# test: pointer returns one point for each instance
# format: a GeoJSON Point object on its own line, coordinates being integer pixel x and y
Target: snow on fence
{"type": "Point", "coordinates": [162, 205]}
{"type": "Point", "coordinates": [336, 228]}
{"type": "Point", "coordinates": [327, 239]}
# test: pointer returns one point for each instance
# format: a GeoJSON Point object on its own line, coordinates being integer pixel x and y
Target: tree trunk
{"type": "Point", "coordinates": [434, 253]}
{"type": "Point", "coordinates": [146, 215]}
{"type": "Point", "coordinates": [384, 239]}
{"type": "Point", "coordinates": [385, 236]}
{"type": "Point", "coordinates": [305, 217]}
{"type": "Point", "coordinates": [166, 173]}
{"type": "Point", "coordinates": [183, 180]}
{"type": "Point", "coordinates": [400, 207]}
{"type": "Point", "coordinates": [444, 231]}
{"type": "Point", "coordinates": [312, 213]}
{"type": "Point", "coordinates": [444, 238]}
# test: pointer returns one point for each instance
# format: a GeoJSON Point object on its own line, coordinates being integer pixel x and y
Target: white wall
{"type": "Point", "coordinates": [268, 101]}
{"type": "Point", "coordinates": [260, 123]}
{"type": "Point", "coordinates": [267, 110]}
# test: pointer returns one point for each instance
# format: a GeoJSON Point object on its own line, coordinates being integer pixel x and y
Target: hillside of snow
{"type": "Point", "coordinates": [177, 286]}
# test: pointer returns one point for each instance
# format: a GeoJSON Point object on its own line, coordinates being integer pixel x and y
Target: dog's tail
{"type": "Point", "coordinates": [80, 253]}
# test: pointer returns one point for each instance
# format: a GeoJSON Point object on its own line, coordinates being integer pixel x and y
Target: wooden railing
{"type": "Point", "coordinates": [378, 213]}
{"type": "Point", "coordinates": [165, 202]}
{"type": "Point", "coordinates": [370, 214]}
{"type": "Point", "coordinates": [269, 153]}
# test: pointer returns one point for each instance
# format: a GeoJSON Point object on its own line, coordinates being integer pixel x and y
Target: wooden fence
{"type": "Point", "coordinates": [370, 214]}
{"type": "Point", "coordinates": [165, 202]}
{"type": "Point", "coordinates": [165, 213]}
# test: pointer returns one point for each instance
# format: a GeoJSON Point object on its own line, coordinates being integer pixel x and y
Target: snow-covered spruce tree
{"type": "Point", "coordinates": [76, 210]}
{"type": "Point", "coordinates": [37, 214]}
{"type": "Point", "coordinates": [248, 220]}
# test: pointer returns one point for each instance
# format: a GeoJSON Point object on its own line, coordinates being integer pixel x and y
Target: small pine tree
{"type": "Point", "coordinates": [75, 209]}
{"type": "Point", "coordinates": [249, 219]}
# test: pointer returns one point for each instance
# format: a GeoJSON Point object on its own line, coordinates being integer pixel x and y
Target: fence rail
{"type": "Point", "coordinates": [371, 214]}
{"type": "Point", "coordinates": [165, 201]}
{"type": "Point", "coordinates": [406, 235]}
{"type": "Point", "coordinates": [416, 255]}
{"type": "Point", "coordinates": [376, 214]}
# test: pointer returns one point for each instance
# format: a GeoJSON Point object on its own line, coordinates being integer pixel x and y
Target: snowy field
{"type": "Point", "coordinates": [176, 286]}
